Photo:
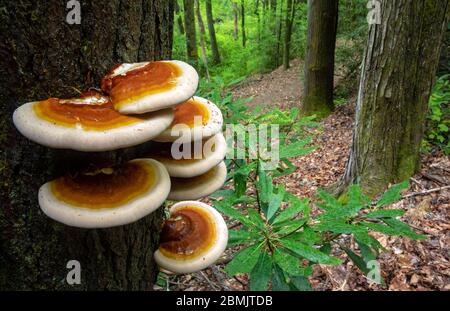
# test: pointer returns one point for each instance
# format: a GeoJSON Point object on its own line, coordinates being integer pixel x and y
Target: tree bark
{"type": "Point", "coordinates": [43, 56]}
{"type": "Point", "coordinates": [244, 37]}
{"type": "Point", "coordinates": [236, 21]}
{"type": "Point", "coordinates": [319, 62]}
{"type": "Point", "coordinates": [279, 31]}
{"type": "Point", "coordinates": [398, 72]}
{"type": "Point", "coordinates": [290, 15]}
{"type": "Point", "coordinates": [212, 33]}
{"type": "Point", "coordinates": [189, 27]}
{"type": "Point", "coordinates": [179, 18]}
{"type": "Point", "coordinates": [201, 27]}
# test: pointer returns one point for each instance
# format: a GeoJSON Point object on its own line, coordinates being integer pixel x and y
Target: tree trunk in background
{"type": "Point", "coordinates": [212, 33]}
{"type": "Point", "coordinates": [290, 15]}
{"type": "Point", "coordinates": [43, 57]}
{"type": "Point", "coordinates": [236, 21]}
{"type": "Point", "coordinates": [319, 62]}
{"type": "Point", "coordinates": [279, 31]}
{"type": "Point", "coordinates": [244, 38]}
{"type": "Point", "coordinates": [398, 72]}
{"type": "Point", "coordinates": [189, 27]}
{"type": "Point", "coordinates": [201, 27]}
{"type": "Point", "coordinates": [179, 18]}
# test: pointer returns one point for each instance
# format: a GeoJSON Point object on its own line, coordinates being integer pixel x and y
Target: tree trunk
{"type": "Point", "coordinates": [290, 15]}
{"type": "Point", "coordinates": [319, 62]}
{"type": "Point", "coordinates": [236, 21]}
{"type": "Point", "coordinates": [179, 18]}
{"type": "Point", "coordinates": [189, 26]}
{"type": "Point", "coordinates": [398, 72]}
{"type": "Point", "coordinates": [201, 27]}
{"type": "Point", "coordinates": [279, 31]}
{"type": "Point", "coordinates": [212, 33]}
{"type": "Point", "coordinates": [44, 56]}
{"type": "Point", "coordinates": [244, 38]}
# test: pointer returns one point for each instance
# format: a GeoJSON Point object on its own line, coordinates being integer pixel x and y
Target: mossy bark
{"type": "Point", "coordinates": [319, 61]}
{"type": "Point", "coordinates": [43, 56]}
{"type": "Point", "coordinates": [189, 27]}
{"type": "Point", "coordinates": [212, 33]}
{"type": "Point", "coordinates": [398, 72]}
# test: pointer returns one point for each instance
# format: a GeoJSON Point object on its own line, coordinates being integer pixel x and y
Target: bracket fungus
{"type": "Point", "coordinates": [192, 239]}
{"type": "Point", "coordinates": [196, 118]}
{"type": "Point", "coordinates": [106, 197]}
{"type": "Point", "coordinates": [149, 86]}
{"type": "Point", "coordinates": [87, 123]}
{"type": "Point", "coordinates": [191, 159]}
{"type": "Point", "coordinates": [199, 186]}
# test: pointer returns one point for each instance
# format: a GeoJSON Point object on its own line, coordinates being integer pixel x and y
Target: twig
{"type": "Point", "coordinates": [425, 192]}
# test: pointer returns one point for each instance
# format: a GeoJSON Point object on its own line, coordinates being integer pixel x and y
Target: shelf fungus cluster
{"type": "Point", "coordinates": [148, 102]}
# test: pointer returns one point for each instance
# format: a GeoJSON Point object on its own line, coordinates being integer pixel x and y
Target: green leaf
{"type": "Point", "coordinates": [242, 236]}
{"type": "Point", "coordinates": [256, 218]}
{"type": "Point", "coordinates": [290, 264]}
{"type": "Point", "coordinates": [403, 229]}
{"type": "Point", "coordinates": [279, 280]}
{"type": "Point", "coordinates": [264, 186]}
{"type": "Point", "coordinates": [337, 227]}
{"type": "Point", "coordinates": [225, 208]}
{"type": "Point", "coordinates": [296, 149]}
{"type": "Point", "coordinates": [261, 272]}
{"type": "Point", "coordinates": [289, 226]}
{"type": "Point", "coordinates": [366, 251]}
{"type": "Point", "coordinates": [295, 207]}
{"type": "Point", "coordinates": [244, 260]}
{"type": "Point", "coordinates": [392, 194]}
{"type": "Point", "coordinates": [357, 260]}
{"type": "Point", "coordinates": [275, 201]}
{"type": "Point", "coordinates": [301, 283]}
{"type": "Point", "coordinates": [329, 202]}
{"type": "Point", "coordinates": [388, 213]}
{"type": "Point", "coordinates": [309, 252]}
{"type": "Point", "coordinates": [306, 236]}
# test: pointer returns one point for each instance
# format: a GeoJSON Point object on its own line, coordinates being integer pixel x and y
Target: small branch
{"type": "Point", "coordinates": [425, 192]}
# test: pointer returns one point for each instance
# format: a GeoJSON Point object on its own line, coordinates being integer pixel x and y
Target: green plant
{"type": "Point", "coordinates": [281, 238]}
{"type": "Point", "coordinates": [438, 122]}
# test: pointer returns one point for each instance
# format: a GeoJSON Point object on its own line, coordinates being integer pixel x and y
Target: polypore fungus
{"type": "Point", "coordinates": [106, 197]}
{"type": "Point", "coordinates": [196, 118]}
{"type": "Point", "coordinates": [150, 86]}
{"type": "Point", "coordinates": [200, 186]}
{"type": "Point", "coordinates": [87, 123]}
{"type": "Point", "coordinates": [192, 239]}
{"type": "Point", "coordinates": [190, 159]}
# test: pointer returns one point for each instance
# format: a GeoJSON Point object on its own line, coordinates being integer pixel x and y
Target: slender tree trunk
{"type": "Point", "coordinates": [279, 31]}
{"type": "Point", "coordinates": [244, 38]}
{"type": "Point", "coordinates": [179, 18]}
{"type": "Point", "coordinates": [189, 26]}
{"type": "Point", "coordinates": [290, 16]}
{"type": "Point", "coordinates": [212, 33]}
{"type": "Point", "coordinates": [236, 21]}
{"type": "Point", "coordinates": [47, 57]}
{"type": "Point", "coordinates": [258, 18]}
{"type": "Point", "coordinates": [319, 62]}
{"type": "Point", "coordinates": [398, 72]}
{"type": "Point", "coordinates": [201, 27]}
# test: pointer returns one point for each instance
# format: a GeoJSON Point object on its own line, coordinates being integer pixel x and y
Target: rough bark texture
{"type": "Point", "coordinates": [201, 27]}
{"type": "Point", "coordinates": [43, 56]}
{"type": "Point", "coordinates": [212, 33]}
{"type": "Point", "coordinates": [189, 27]}
{"type": "Point", "coordinates": [319, 62]}
{"type": "Point", "coordinates": [399, 67]}
{"type": "Point", "coordinates": [179, 18]}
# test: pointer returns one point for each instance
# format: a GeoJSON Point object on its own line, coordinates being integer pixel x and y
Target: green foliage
{"type": "Point", "coordinates": [438, 122]}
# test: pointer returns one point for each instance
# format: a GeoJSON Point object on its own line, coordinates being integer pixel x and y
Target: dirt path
{"type": "Point", "coordinates": [280, 87]}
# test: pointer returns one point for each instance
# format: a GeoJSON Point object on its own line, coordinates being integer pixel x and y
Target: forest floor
{"type": "Point", "coordinates": [405, 264]}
